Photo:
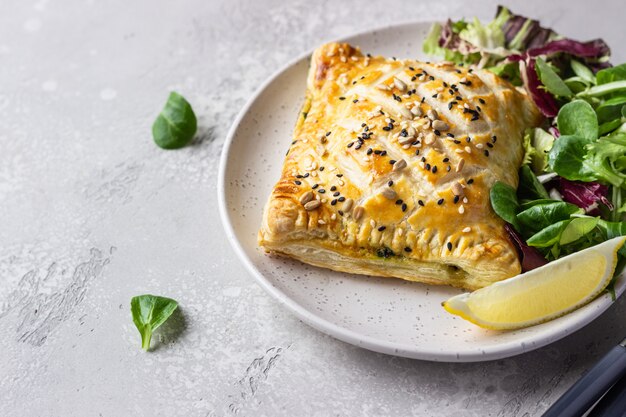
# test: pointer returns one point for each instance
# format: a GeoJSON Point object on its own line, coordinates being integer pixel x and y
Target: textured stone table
{"type": "Point", "coordinates": [92, 213]}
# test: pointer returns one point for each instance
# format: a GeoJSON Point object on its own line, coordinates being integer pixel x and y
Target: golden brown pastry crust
{"type": "Point", "coordinates": [343, 203]}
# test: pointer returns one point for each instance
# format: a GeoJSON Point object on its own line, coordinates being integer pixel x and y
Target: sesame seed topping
{"type": "Point", "coordinates": [467, 229]}
{"type": "Point", "coordinates": [312, 205]}
{"type": "Point", "coordinates": [461, 209]}
{"type": "Point", "coordinates": [404, 206]}
{"type": "Point", "coordinates": [407, 249]}
{"type": "Point", "coordinates": [381, 228]}
{"type": "Point", "coordinates": [358, 212]}
{"type": "Point", "coordinates": [449, 246]}
{"type": "Point", "coordinates": [440, 201]}
{"type": "Point", "coordinates": [389, 194]}
{"type": "Point", "coordinates": [470, 181]}
{"type": "Point", "coordinates": [420, 202]}
{"type": "Point", "coordinates": [390, 183]}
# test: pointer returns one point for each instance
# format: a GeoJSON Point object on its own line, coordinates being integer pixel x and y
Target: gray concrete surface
{"type": "Point", "coordinates": [92, 213]}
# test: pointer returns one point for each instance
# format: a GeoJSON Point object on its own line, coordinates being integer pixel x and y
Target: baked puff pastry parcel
{"type": "Point", "coordinates": [390, 168]}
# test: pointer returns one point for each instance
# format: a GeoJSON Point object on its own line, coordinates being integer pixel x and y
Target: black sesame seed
{"type": "Point", "coordinates": [398, 202]}
{"type": "Point", "coordinates": [350, 144]}
{"type": "Point", "coordinates": [404, 206]}
{"type": "Point", "coordinates": [315, 186]}
{"type": "Point", "coordinates": [306, 175]}
{"type": "Point", "coordinates": [321, 191]}
{"type": "Point", "coordinates": [446, 159]}
{"type": "Point", "coordinates": [456, 199]}
{"type": "Point", "coordinates": [336, 194]}
{"type": "Point", "coordinates": [298, 182]}
{"type": "Point", "coordinates": [486, 152]}
{"type": "Point", "coordinates": [404, 133]}
{"type": "Point", "coordinates": [423, 159]}
{"type": "Point", "coordinates": [342, 199]}
{"type": "Point", "coordinates": [357, 147]}
{"type": "Point", "coordinates": [445, 84]}
{"type": "Point", "coordinates": [481, 101]}
{"type": "Point", "coordinates": [328, 133]}
{"type": "Point", "coordinates": [435, 95]}
{"type": "Point", "coordinates": [440, 201]}
{"type": "Point", "coordinates": [332, 203]}
{"type": "Point", "coordinates": [392, 161]}
{"type": "Point", "coordinates": [450, 135]}
{"type": "Point", "coordinates": [378, 151]}
{"type": "Point", "coordinates": [340, 212]}
{"type": "Point", "coordinates": [427, 167]}
{"type": "Point", "coordinates": [423, 98]}
{"type": "Point", "coordinates": [339, 175]}
{"type": "Point", "coordinates": [342, 98]}
{"type": "Point", "coordinates": [417, 152]}
{"type": "Point", "coordinates": [438, 133]}
{"type": "Point", "coordinates": [434, 170]}
{"type": "Point", "coordinates": [420, 202]}
{"type": "Point", "coordinates": [459, 98]}
{"type": "Point", "coordinates": [387, 128]}
{"type": "Point", "coordinates": [407, 249]}
{"type": "Point", "coordinates": [383, 153]}
{"type": "Point", "coordinates": [321, 168]}
{"type": "Point", "coordinates": [390, 183]}
{"type": "Point", "coordinates": [457, 141]}
{"type": "Point", "coordinates": [299, 176]}
{"type": "Point", "coordinates": [355, 100]}
{"type": "Point", "coordinates": [431, 78]}
{"type": "Point", "coordinates": [381, 228]}
{"type": "Point", "coordinates": [448, 168]}
{"type": "Point", "coordinates": [468, 139]}
{"type": "Point", "coordinates": [470, 181]}
{"type": "Point", "coordinates": [333, 188]}
{"type": "Point", "coordinates": [449, 245]}
{"type": "Point", "coordinates": [478, 108]}
{"type": "Point", "coordinates": [494, 139]}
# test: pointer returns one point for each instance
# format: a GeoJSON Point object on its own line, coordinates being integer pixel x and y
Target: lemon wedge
{"type": "Point", "coordinates": [542, 294]}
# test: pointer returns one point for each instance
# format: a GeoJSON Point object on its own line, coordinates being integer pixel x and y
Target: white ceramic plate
{"type": "Point", "coordinates": [381, 314]}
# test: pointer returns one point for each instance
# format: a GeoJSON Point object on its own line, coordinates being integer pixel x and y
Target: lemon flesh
{"type": "Point", "coordinates": [542, 294]}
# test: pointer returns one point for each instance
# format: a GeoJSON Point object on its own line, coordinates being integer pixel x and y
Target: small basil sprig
{"type": "Point", "coordinates": [149, 312]}
{"type": "Point", "coordinates": [176, 124]}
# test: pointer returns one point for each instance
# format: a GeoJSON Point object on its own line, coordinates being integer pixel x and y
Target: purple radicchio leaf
{"type": "Point", "coordinates": [554, 131]}
{"type": "Point", "coordinates": [544, 101]}
{"type": "Point", "coordinates": [534, 35]}
{"type": "Point", "coordinates": [585, 195]}
{"type": "Point", "coordinates": [530, 257]}
{"type": "Point", "coordinates": [596, 48]}
{"type": "Point", "coordinates": [451, 40]}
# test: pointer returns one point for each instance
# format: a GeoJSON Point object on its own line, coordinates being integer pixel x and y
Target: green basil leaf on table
{"type": "Point", "coordinates": [504, 202]}
{"type": "Point", "coordinates": [149, 312]}
{"type": "Point", "coordinates": [549, 236]}
{"type": "Point", "coordinates": [578, 118]}
{"type": "Point", "coordinates": [551, 80]}
{"type": "Point", "coordinates": [541, 216]}
{"type": "Point", "coordinates": [176, 125]}
{"type": "Point", "coordinates": [577, 228]}
{"type": "Point", "coordinates": [567, 158]}
{"type": "Point", "coordinates": [529, 186]}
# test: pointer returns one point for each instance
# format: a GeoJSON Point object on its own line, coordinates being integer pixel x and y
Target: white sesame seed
{"type": "Point", "coordinates": [343, 59]}
{"type": "Point", "coordinates": [400, 85]}
{"type": "Point", "coordinates": [320, 221]}
{"type": "Point", "coordinates": [479, 146]}
{"type": "Point", "coordinates": [467, 230]}
{"type": "Point", "coordinates": [366, 62]}
{"type": "Point", "coordinates": [341, 182]}
{"type": "Point", "coordinates": [333, 216]}
{"type": "Point", "coordinates": [407, 146]}
{"type": "Point", "coordinates": [465, 200]}
{"type": "Point", "coordinates": [324, 200]}
{"type": "Point", "coordinates": [468, 149]}
{"type": "Point", "coordinates": [459, 151]}
{"type": "Point", "coordinates": [372, 223]}
{"type": "Point", "coordinates": [382, 87]}
{"type": "Point", "coordinates": [387, 120]}
{"type": "Point", "coordinates": [461, 209]}
{"type": "Point", "coordinates": [354, 58]}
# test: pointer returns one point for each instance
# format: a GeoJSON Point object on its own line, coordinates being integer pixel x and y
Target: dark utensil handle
{"type": "Point", "coordinates": [588, 389]}
{"type": "Point", "coordinates": [613, 404]}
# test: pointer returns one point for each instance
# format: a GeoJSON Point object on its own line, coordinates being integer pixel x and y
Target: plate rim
{"type": "Point", "coordinates": [504, 350]}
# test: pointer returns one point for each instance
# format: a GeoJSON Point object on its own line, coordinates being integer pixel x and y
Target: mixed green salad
{"type": "Point", "coordinates": [570, 193]}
